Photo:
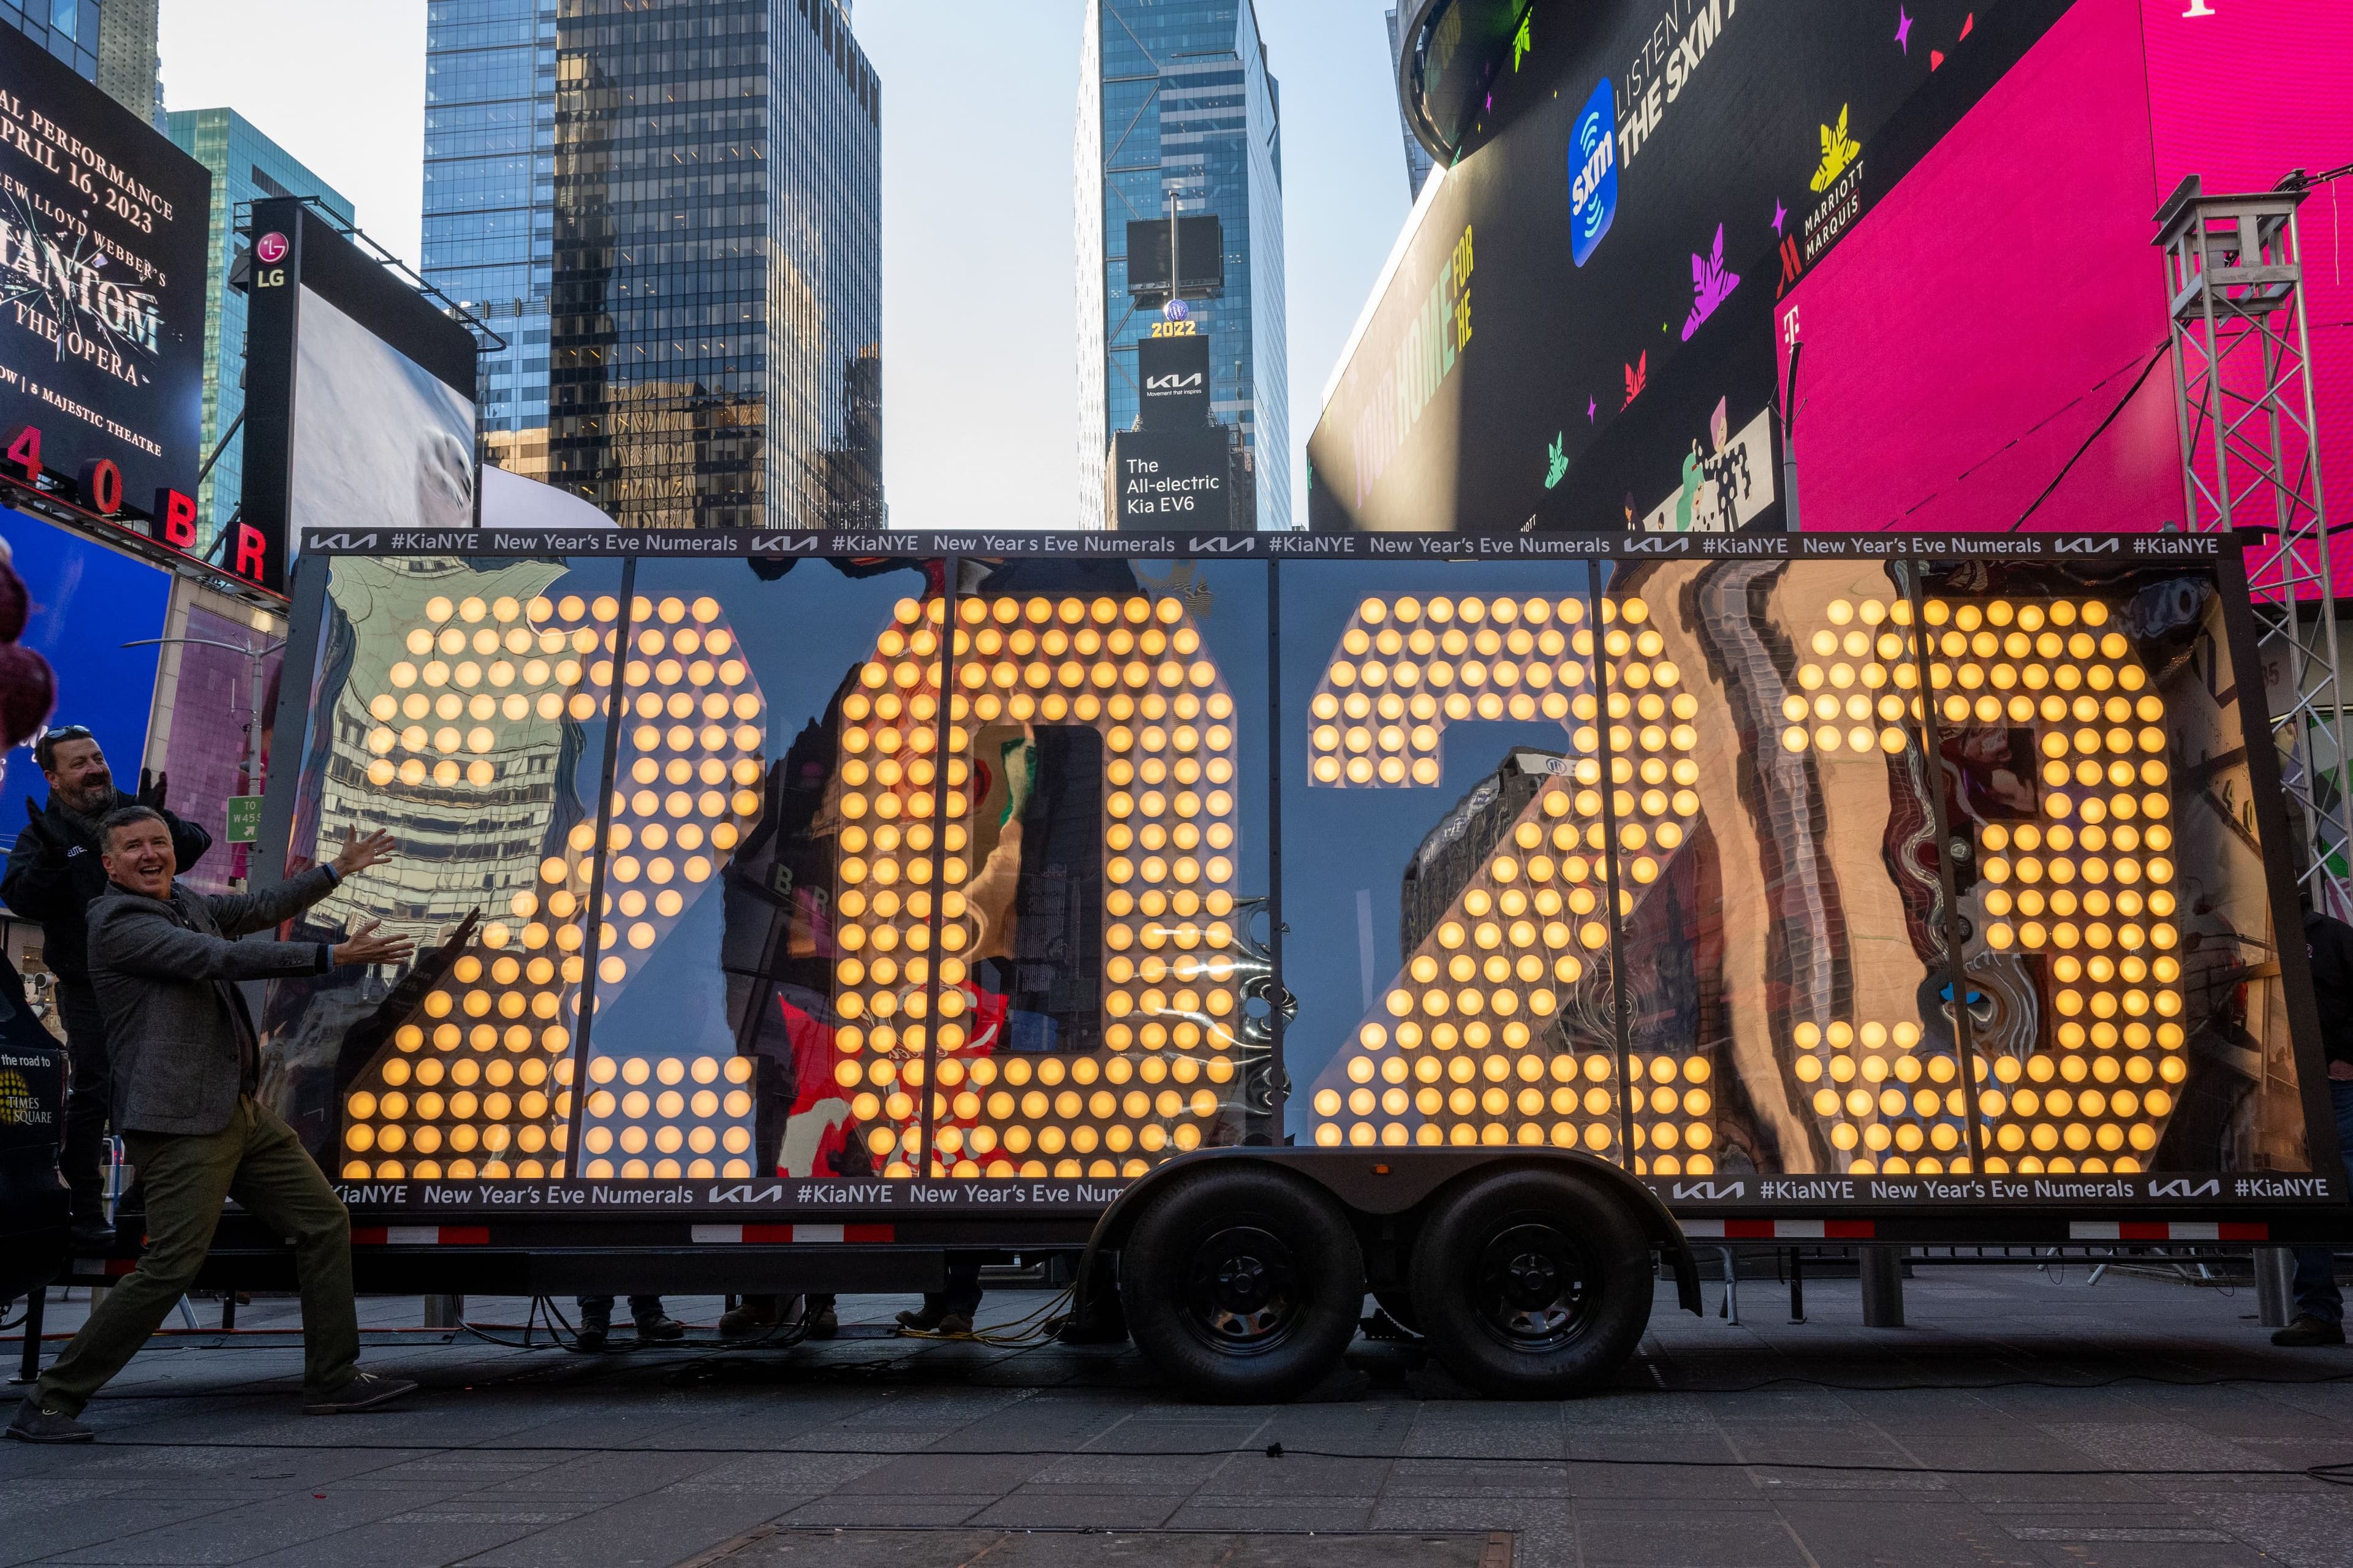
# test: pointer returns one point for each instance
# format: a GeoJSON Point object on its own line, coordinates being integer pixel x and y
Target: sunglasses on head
{"type": "Point", "coordinates": [45, 750]}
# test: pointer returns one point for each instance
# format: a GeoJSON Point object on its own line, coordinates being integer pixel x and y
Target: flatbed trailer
{"type": "Point", "coordinates": [1202, 814]}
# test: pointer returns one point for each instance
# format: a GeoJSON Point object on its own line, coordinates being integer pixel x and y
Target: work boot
{"type": "Point", "coordinates": [922, 1320]}
{"type": "Point", "coordinates": [2308, 1330]}
{"type": "Point", "coordinates": [37, 1422]}
{"type": "Point", "coordinates": [595, 1328]}
{"type": "Point", "coordinates": [753, 1315]}
{"type": "Point", "coordinates": [361, 1391]}
{"type": "Point", "coordinates": [953, 1323]}
{"type": "Point", "coordinates": [660, 1326]}
{"type": "Point", "coordinates": [823, 1324]}
{"type": "Point", "coordinates": [91, 1238]}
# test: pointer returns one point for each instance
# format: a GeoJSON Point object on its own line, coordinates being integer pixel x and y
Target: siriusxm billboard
{"type": "Point", "coordinates": [1593, 171]}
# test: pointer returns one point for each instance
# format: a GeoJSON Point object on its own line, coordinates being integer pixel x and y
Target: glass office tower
{"type": "Point", "coordinates": [1176, 109]}
{"type": "Point", "coordinates": [1417, 156]}
{"type": "Point", "coordinates": [716, 300]}
{"type": "Point", "coordinates": [490, 161]}
{"type": "Point", "coordinates": [67, 28]}
{"type": "Point", "coordinates": [246, 166]}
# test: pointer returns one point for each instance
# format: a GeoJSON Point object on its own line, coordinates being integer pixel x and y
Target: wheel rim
{"type": "Point", "coordinates": [1242, 1293]}
{"type": "Point", "coordinates": [1533, 1288]}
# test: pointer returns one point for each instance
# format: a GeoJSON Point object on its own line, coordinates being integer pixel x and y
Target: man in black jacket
{"type": "Point", "coordinates": [54, 872]}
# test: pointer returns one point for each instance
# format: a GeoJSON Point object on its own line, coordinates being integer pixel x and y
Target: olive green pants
{"type": "Point", "coordinates": [258, 1161]}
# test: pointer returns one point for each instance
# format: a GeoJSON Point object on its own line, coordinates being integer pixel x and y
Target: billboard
{"type": "Point", "coordinates": [1583, 330]}
{"type": "Point", "coordinates": [86, 601]}
{"type": "Point", "coordinates": [1170, 479]}
{"type": "Point", "coordinates": [359, 402]}
{"type": "Point", "coordinates": [1172, 372]}
{"type": "Point", "coordinates": [1200, 246]}
{"type": "Point", "coordinates": [102, 285]}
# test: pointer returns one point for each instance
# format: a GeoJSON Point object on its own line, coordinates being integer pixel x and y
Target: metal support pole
{"type": "Point", "coordinates": [1883, 1285]}
{"type": "Point", "coordinates": [1957, 968]}
{"type": "Point", "coordinates": [1730, 1312]}
{"type": "Point", "coordinates": [944, 750]}
{"type": "Point", "coordinates": [1608, 788]}
{"type": "Point", "coordinates": [28, 1365]}
{"type": "Point", "coordinates": [574, 1099]}
{"type": "Point", "coordinates": [2275, 1301]}
{"type": "Point", "coordinates": [1797, 1285]}
{"type": "Point", "coordinates": [444, 1311]}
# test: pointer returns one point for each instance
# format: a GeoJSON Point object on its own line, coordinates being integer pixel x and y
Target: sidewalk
{"type": "Point", "coordinates": [929, 1453]}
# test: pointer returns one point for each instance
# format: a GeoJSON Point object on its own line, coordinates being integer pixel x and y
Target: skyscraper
{"type": "Point", "coordinates": [246, 166]}
{"type": "Point", "coordinates": [716, 287]}
{"type": "Point", "coordinates": [67, 28]}
{"type": "Point", "coordinates": [129, 70]}
{"type": "Point", "coordinates": [490, 204]}
{"type": "Point", "coordinates": [1177, 110]}
{"type": "Point", "coordinates": [1417, 156]}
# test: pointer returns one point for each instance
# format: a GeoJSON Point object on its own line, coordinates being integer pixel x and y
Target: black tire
{"type": "Point", "coordinates": [1242, 1285]}
{"type": "Point", "coordinates": [1532, 1284]}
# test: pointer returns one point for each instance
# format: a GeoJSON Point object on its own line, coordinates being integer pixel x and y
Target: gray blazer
{"type": "Point", "coordinates": [175, 1022]}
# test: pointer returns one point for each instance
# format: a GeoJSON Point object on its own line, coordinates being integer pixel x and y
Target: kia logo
{"type": "Point", "coordinates": [1171, 381]}
{"type": "Point", "coordinates": [271, 247]}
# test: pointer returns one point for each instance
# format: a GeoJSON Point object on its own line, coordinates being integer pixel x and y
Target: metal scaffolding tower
{"type": "Point", "coordinates": [2251, 461]}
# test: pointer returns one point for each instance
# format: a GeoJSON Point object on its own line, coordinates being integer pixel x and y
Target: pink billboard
{"type": "Point", "coordinates": [1993, 334]}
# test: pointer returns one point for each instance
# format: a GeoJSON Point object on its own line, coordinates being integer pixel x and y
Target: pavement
{"type": "Point", "coordinates": [2025, 1418]}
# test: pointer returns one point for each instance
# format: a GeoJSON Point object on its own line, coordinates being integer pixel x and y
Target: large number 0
{"type": "Point", "coordinates": [1134, 669]}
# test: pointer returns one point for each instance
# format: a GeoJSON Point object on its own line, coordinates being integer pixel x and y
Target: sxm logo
{"type": "Point", "coordinates": [1593, 171]}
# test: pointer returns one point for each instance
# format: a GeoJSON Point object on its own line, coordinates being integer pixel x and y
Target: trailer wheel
{"type": "Point", "coordinates": [1531, 1284]}
{"type": "Point", "coordinates": [1243, 1284]}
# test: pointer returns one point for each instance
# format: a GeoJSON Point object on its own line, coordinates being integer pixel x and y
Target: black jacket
{"type": "Point", "coordinates": [2330, 945]}
{"type": "Point", "coordinates": [55, 871]}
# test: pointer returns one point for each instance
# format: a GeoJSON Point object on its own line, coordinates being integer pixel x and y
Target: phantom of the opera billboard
{"type": "Point", "coordinates": [102, 286]}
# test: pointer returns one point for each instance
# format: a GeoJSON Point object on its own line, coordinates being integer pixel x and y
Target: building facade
{"type": "Point", "coordinates": [1179, 111]}
{"type": "Point", "coordinates": [489, 203]}
{"type": "Point", "coordinates": [715, 294]}
{"type": "Point", "coordinates": [1417, 156]}
{"type": "Point", "coordinates": [130, 68]}
{"type": "Point", "coordinates": [246, 166]}
{"type": "Point", "coordinates": [67, 28]}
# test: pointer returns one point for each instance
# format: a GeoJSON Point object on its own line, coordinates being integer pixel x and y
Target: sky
{"type": "Point", "coordinates": [980, 381]}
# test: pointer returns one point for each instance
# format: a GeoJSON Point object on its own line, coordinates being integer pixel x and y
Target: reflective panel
{"type": "Point", "coordinates": [461, 706]}
{"type": "Point", "coordinates": [1485, 1012]}
{"type": "Point", "coordinates": [1006, 934]}
{"type": "Point", "coordinates": [1808, 809]}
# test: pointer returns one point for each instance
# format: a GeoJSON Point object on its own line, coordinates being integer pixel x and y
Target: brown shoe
{"type": "Point", "coordinates": [753, 1315]}
{"type": "Point", "coordinates": [2307, 1331]}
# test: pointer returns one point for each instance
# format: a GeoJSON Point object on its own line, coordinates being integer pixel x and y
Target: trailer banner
{"type": "Point", "coordinates": [1829, 878]}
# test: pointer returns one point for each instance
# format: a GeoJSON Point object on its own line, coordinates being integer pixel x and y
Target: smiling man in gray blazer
{"type": "Point", "coordinates": [164, 963]}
